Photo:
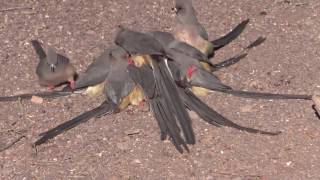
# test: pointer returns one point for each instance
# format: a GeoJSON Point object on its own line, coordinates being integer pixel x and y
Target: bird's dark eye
{"type": "Point", "coordinates": [176, 9]}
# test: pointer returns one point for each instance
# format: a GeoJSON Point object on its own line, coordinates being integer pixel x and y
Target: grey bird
{"type": "Point", "coordinates": [93, 78]}
{"type": "Point", "coordinates": [188, 29]}
{"type": "Point", "coordinates": [200, 79]}
{"type": "Point", "coordinates": [144, 50]}
{"type": "Point", "coordinates": [53, 69]}
{"type": "Point", "coordinates": [95, 75]}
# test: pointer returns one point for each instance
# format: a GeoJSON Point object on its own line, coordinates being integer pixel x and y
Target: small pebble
{"type": "Point", "coordinates": [37, 99]}
{"type": "Point", "coordinates": [136, 161]}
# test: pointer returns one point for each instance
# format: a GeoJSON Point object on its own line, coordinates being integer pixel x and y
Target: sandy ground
{"type": "Point", "coordinates": [102, 149]}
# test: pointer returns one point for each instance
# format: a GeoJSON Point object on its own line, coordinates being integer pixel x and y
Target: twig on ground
{"type": "Point", "coordinates": [15, 9]}
{"type": "Point", "coordinates": [12, 143]}
{"type": "Point", "coordinates": [235, 175]}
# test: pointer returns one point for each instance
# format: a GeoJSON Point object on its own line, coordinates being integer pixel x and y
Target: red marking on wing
{"type": "Point", "coordinates": [190, 70]}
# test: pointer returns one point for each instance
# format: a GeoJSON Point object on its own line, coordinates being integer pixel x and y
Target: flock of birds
{"type": "Point", "coordinates": [167, 70]}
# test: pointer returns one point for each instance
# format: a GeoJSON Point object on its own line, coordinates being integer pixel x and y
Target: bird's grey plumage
{"type": "Point", "coordinates": [169, 42]}
{"type": "Point", "coordinates": [229, 37]}
{"type": "Point", "coordinates": [193, 72]}
{"type": "Point", "coordinates": [188, 50]}
{"type": "Point", "coordinates": [127, 39]}
{"type": "Point", "coordinates": [204, 79]}
{"type": "Point", "coordinates": [119, 84]}
{"type": "Point", "coordinates": [99, 69]}
{"type": "Point", "coordinates": [165, 38]}
{"type": "Point", "coordinates": [162, 109]}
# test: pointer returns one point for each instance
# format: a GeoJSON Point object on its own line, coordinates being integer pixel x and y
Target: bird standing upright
{"type": "Point", "coordinates": [53, 69]}
{"type": "Point", "coordinates": [188, 29]}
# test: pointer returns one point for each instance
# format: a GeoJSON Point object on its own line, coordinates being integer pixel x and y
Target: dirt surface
{"type": "Point", "coordinates": [102, 149]}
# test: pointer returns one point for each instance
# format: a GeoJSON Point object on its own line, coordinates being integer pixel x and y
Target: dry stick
{"type": "Point", "coordinates": [14, 9]}
{"type": "Point", "coordinates": [12, 143]}
{"type": "Point", "coordinates": [235, 175]}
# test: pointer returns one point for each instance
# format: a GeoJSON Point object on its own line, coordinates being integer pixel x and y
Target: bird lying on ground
{"type": "Point", "coordinates": [150, 71]}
